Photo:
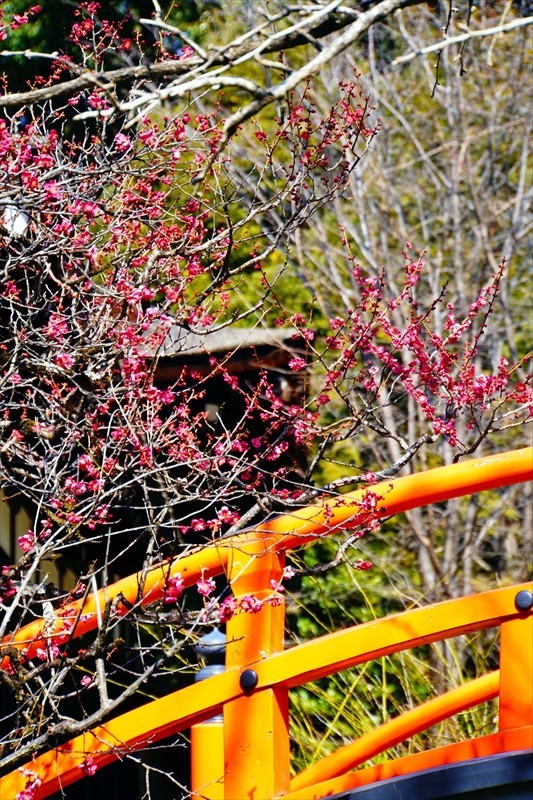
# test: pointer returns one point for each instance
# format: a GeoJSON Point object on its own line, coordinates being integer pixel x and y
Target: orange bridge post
{"type": "Point", "coordinates": [256, 727]}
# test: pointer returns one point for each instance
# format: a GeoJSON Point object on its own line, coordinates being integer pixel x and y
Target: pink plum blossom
{"type": "Point", "coordinates": [26, 541]}
{"type": "Point", "coordinates": [88, 766]}
{"type": "Point", "coordinates": [206, 586]}
{"type": "Point", "coordinates": [174, 589]}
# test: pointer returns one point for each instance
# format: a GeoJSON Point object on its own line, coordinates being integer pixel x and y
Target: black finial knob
{"type": "Point", "coordinates": [249, 680]}
{"type": "Point", "coordinates": [524, 600]}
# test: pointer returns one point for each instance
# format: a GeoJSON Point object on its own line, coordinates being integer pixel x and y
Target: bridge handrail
{"type": "Point", "coordinates": [258, 718]}
{"type": "Point", "coordinates": [283, 533]}
{"type": "Point", "coordinates": [312, 660]}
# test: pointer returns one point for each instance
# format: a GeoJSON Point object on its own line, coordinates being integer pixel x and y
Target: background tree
{"type": "Point", "coordinates": [185, 170]}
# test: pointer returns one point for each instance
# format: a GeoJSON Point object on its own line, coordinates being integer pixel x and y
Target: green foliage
{"type": "Point", "coordinates": [332, 712]}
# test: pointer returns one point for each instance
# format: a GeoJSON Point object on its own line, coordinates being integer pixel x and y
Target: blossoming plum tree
{"type": "Point", "coordinates": [128, 213]}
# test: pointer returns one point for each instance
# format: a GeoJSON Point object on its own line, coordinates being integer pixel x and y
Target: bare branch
{"type": "Point", "coordinates": [464, 37]}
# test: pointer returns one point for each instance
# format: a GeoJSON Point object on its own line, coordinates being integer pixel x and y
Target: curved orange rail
{"type": "Point", "coordinates": [255, 727]}
{"type": "Point", "coordinates": [399, 729]}
{"type": "Point", "coordinates": [503, 742]}
{"type": "Point", "coordinates": [290, 531]}
{"type": "Point", "coordinates": [310, 661]}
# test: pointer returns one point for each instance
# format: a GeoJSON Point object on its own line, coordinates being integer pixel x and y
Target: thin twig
{"type": "Point", "coordinates": [433, 48]}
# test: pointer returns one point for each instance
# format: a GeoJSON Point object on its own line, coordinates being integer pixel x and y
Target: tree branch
{"type": "Point", "coordinates": [464, 37]}
{"type": "Point", "coordinates": [235, 53]}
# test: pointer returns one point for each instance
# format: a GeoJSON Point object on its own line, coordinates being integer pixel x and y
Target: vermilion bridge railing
{"type": "Point", "coordinates": [248, 756]}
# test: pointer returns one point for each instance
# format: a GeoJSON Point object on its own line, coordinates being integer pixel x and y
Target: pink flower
{"type": "Point", "coordinates": [174, 589]}
{"type": "Point", "coordinates": [297, 364]}
{"type": "Point", "coordinates": [57, 327]}
{"type": "Point", "coordinates": [336, 323]}
{"type": "Point", "coordinates": [15, 378]}
{"type": "Point", "coordinates": [288, 573]}
{"type": "Point", "coordinates": [198, 525]}
{"type": "Point", "coordinates": [88, 767]}
{"type": "Point", "coordinates": [18, 20]}
{"type": "Point", "coordinates": [64, 360]}
{"type": "Point", "coordinates": [49, 654]}
{"type": "Point", "coordinates": [32, 784]}
{"type": "Point", "coordinates": [206, 586]}
{"type": "Point", "coordinates": [11, 290]}
{"type": "Point", "coordinates": [8, 590]}
{"type": "Point", "coordinates": [26, 541]}
{"type": "Point", "coordinates": [97, 101]}
{"type": "Point", "coordinates": [100, 516]}
{"type": "Point", "coordinates": [225, 515]}
{"type": "Point", "coordinates": [122, 143]}
{"type": "Point", "coordinates": [228, 607]}
{"type": "Point", "coordinates": [250, 604]}
{"type": "Point", "coordinates": [87, 680]}
{"type": "Point", "coordinates": [90, 210]}
{"type": "Point", "coordinates": [30, 180]}
{"type": "Point", "coordinates": [53, 191]}
{"type": "Point", "coordinates": [76, 487]}
{"type": "Point", "coordinates": [275, 599]}
{"type": "Point", "coordinates": [363, 565]}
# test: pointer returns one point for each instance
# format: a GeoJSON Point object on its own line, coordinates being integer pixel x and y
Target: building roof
{"type": "Point", "coordinates": [180, 342]}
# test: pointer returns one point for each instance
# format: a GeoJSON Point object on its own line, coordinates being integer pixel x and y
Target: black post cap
{"type": "Point", "coordinates": [524, 600]}
{"type": "Point", "coordinates": [249, 680]}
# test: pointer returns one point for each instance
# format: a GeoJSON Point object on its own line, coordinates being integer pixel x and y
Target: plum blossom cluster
{"type": "Point", "coordinates": [224, 608]}
{"type": "Point", "coordinates": [88, 766]}
{"type": "Point", "coordinates": [14, 21]}
{"type": "Point", "coordinates": [369, 354]}
{"type": "Point", "coordinates": [110, 247]}
{"type": "Point", "coordinates": [174, 589]}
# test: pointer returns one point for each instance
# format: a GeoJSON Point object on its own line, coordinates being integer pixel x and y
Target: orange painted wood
{"type": "Point", "coordinates": [207, 761]}
{"type": "Point", "coordinates": [251, 560]}
{"type": "Point", "coordinates": [516, 669]}
{"type": "Point", "coordinates": [520, 739]}
{"type": "Point", "coordinates": [402, 494]}
{"type": "Point", "coordinates": [315, 659]}
{"type": "Point", "coordinates": [257, 753]}
{"type": "Point", "coordinates": [292, 530]}
{"type": "Point", "coordinates": [392, 634]}
{"type": "Point", "coordinates": [399, 729]}
{"type": "Point", "coordinates": [251, 637]}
